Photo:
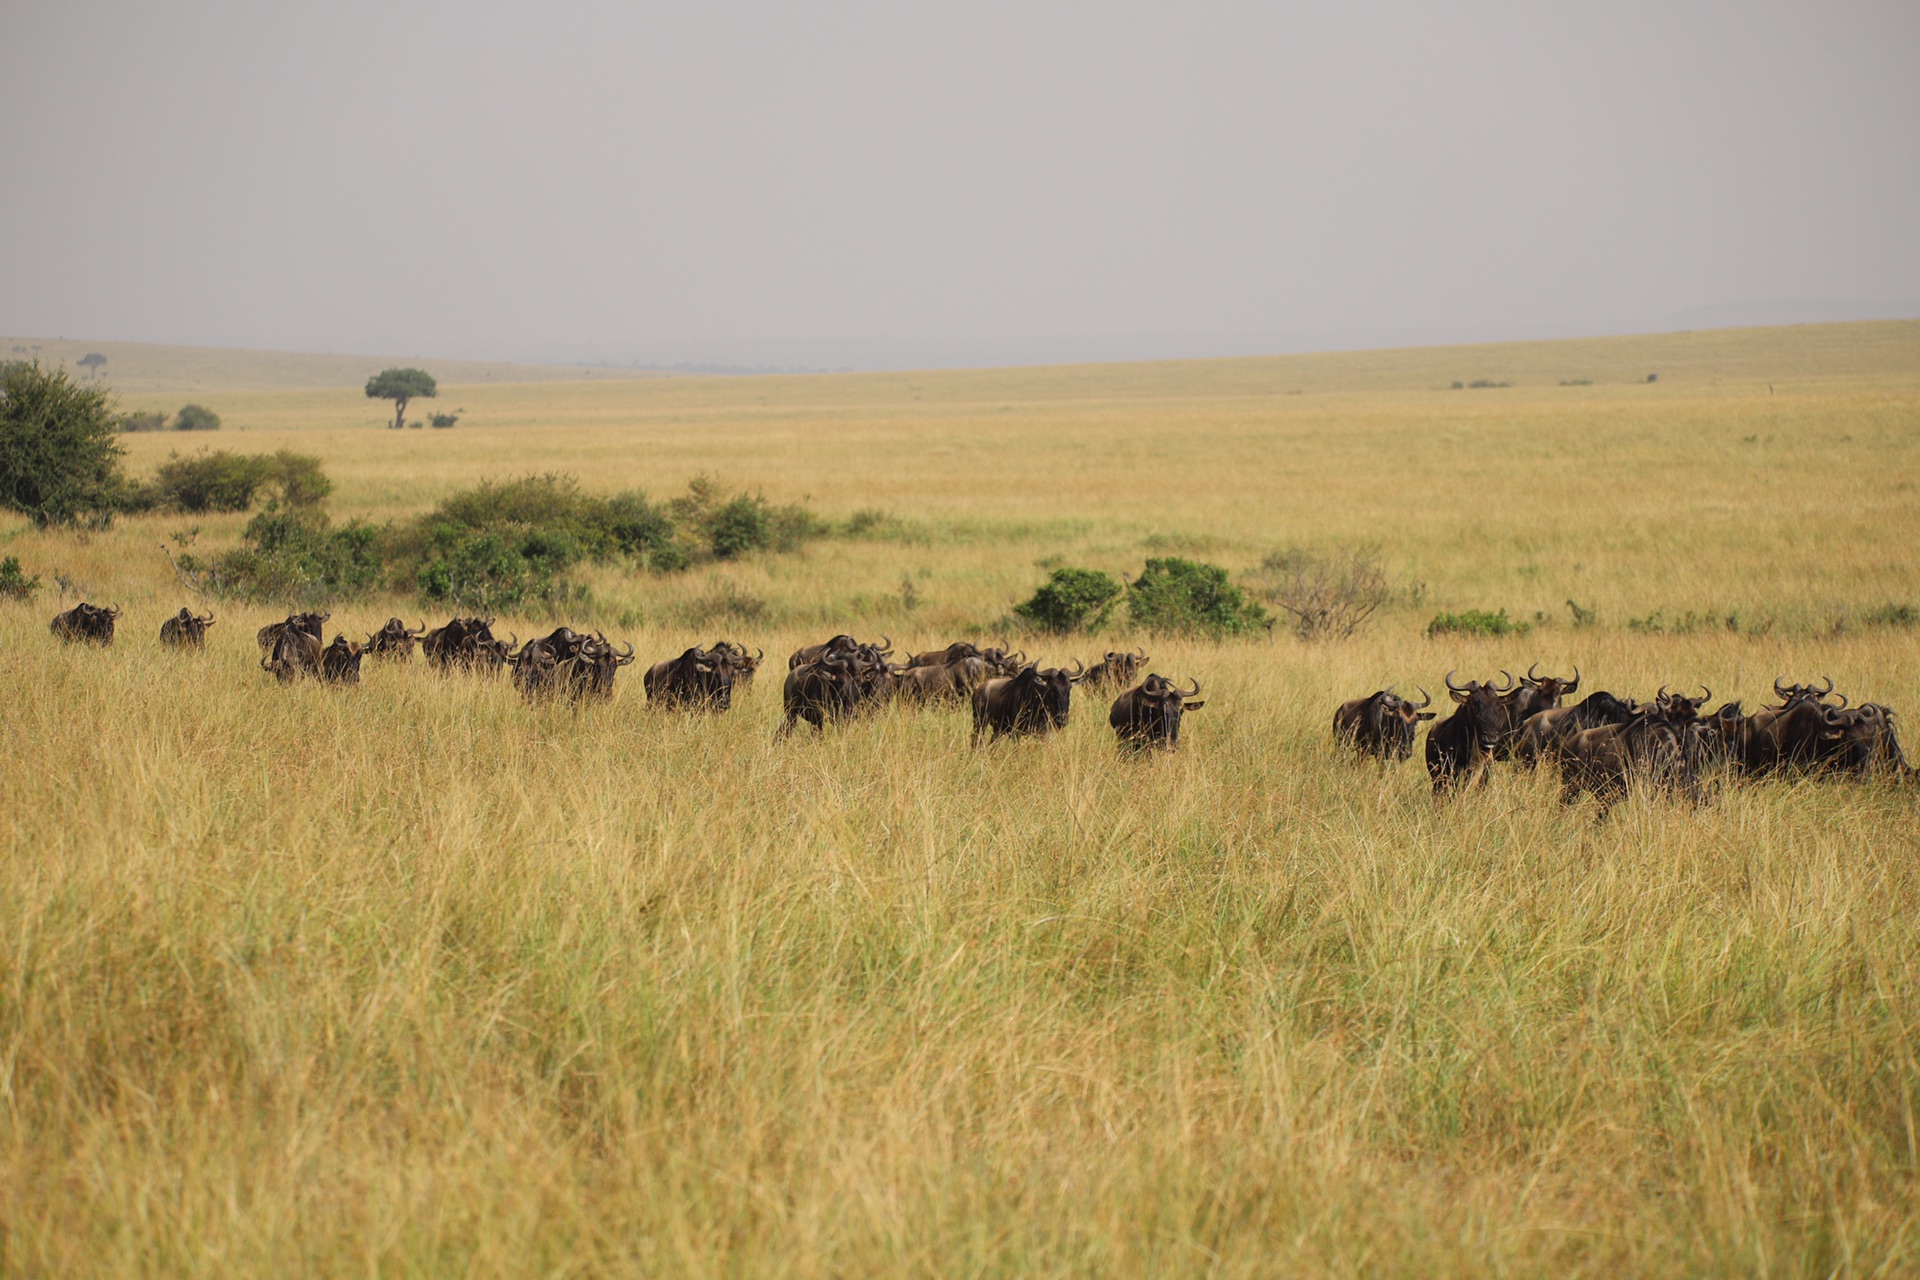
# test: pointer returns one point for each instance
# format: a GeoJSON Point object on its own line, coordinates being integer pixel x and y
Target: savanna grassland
{"type": "Point", "coordinates": [413, 979]}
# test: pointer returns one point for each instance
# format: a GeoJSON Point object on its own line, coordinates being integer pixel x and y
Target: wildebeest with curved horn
{"type": "Point", "coordinates": [943, 657]}
{"type": "Point", "coordinates": [1536, 693]}
{"type": "Point", "coordinates": [825, 689]}
{"type": "Point", "coordinates": [1148, 715]}
{"type": "Point", "coordinates": [186, 629]}
{"type": "Point", "coordinates": [1540, 737]}
{"type": "Point", "coordinates": [936, 682]}
{"type": "Point", "coordinates": [698, 679]}
{"type": "Point", "coordinates": [1650, 748]}
{"type": "Point", "coordinates": [736, 656]}
{"type": "Point", "coordinates": [395, 640]}
{"type": "Point", "coordinates": [294, 652]}
{"type": "Point", "coordinates": [86, 624]}
{"type": "Point", "coordinates": [467, 643]}
{"type": "Point", "coordinates": [1116, 669]}
{"type": "Point", "coordinates": [1036, 700]}
{"type": "Point", "coordinates": [1460, 748]}
{"type": "Point", "coordinates": [1381, 724]}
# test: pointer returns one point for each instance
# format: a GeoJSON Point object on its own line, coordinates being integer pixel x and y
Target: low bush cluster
{"type": "Point", "coordinates": [1171, 595]}
{"type": "Point", "coordinates": [14, 584]}
{"type": "Point", "coordinates": [1071, 600]}
{"type": "Point", "coordinates": [1477, 622]}
{"type": "Point", "coordinates": [191, 417]}
{"type": "Point", "coordinates": [224, 481]}
{"type": "Point", "coordinates": [1329, 594]}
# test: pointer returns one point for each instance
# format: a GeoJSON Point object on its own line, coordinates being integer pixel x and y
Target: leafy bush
{"type": "Point", "coordinates": [1173, 595]}
{"type": "Point", "coordinates": [1891, 615]}
{"type": "Point", "coordinates": [223, 481]}
{"type": "Point", "coordinates": [1477, 622]}
{"type": "Point", "coordinates": [725, 526]}
{"type": "Point", "coordinates": [153, 420]}
{"type": "Point", "coordinates": [15, 585]}
{"type": "Point", "coordinates": [442, 421]}
{"type": "Point", "coordinates": [59, 460]}
{"type": "Point", "coordinates": [291, 554]}
{"type": "Point", "coordinates": [1329, 593]}
{"type": "Point", "coordinates": [1071, 600]}
{"type": "Point", "coordinates": [195, 417]}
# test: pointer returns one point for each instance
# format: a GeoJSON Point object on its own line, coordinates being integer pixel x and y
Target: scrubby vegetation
{"type": "Point", "coordinates": [59, 461]}
{"type": "Point", "coordinates": [1071, 600]}
{"type": "Point", "coordinates": [1477, 622]}
{"type": "Point", "coordinates": [1176, 596]}
{"type": "Point", "coordinates": [1330, 594]}
{"type": "Point", "coordinates": [14, 584]}
{"type": "Point", "coordinates": [223, 481]}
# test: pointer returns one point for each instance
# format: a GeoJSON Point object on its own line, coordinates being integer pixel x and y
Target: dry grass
{"type": "Point", "coordinates": [413, 979]}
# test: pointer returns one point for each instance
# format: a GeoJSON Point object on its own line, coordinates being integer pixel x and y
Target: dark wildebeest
{"type": "Point", "coordinates": [533, 669]}
{"type": "Point", "coordinates": [86, 623]}
{"type": "Point", "coordinates": [467, 643]}
{"type": "Point", "coordinates": [999, 662]}
{"type": "Point", "coordinates": [1544, 731]}
{"type": "Point", "coordinates": [186, 630]}
{"type": "Point", "coordinates": [954, 680]}
{"type": "Point", "coordinates": [819, 691]}
{"type": "Point", "coordinates": [1798, 735]}
{"type": "Point", "coordinates": [395, 640]}
{"type": "Point", "coordinates": [1868, 744]}
{"type": "Point", "coordinates": [340, 661]}
{"type": "Point", "coordinates": [698, 679]}
{"type": "Point", "coordinates": [1460, 748]}
{"type": "Point", "coordinates": [295, 653]}
{"type": "Point", "coordinates": [1381, 724]}
{"type": "Point", "coordinates": [736, 656]}
{"type": "Point", "coordinates": [1116, 670]}
{"type": "Point", "coordinates": [307, 622]}
{"type": "Point", "coordinates": [839, 647]}
{"type": "Point", "coordinates": [942, 657]}
{"type": "Point", "coordinates": [591, 669]}
{"type": "Point", "coordinates": [1034, 701]}
{"type": "Point", "coordinates": [1536, 693]}
{"type": "Point", "coordinates": [1650, 748]}
{"type": "Point", "coordinates": [1148, 715]}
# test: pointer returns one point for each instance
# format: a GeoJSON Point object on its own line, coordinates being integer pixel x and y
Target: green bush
{"type": "Point", "coordinates": [59, 459]}
{"type": "Point", "coordinates": [224, 481]}
{"type": "Point", "coordinates": [1477, 622]}
{"type": "Point", "coordinates": [15, 585]}
{"type": "Point", "coordinates": [1071, 600]}
{"type": "Point", "coordinates": [153, 420]}
{"type": "Point", "coordinates": [1176, 595]}
{"type": "Point", "coordinates": [196, 417]}
{"type": "Point", "coordinates": [292, 554]}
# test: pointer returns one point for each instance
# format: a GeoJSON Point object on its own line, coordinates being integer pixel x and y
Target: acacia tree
{"type": "Point", "coordinates": [400, 386]}
{"type": "Point", "coordinates": [58, 456]}
{"type": "Point", "coordinates": [91, 362]}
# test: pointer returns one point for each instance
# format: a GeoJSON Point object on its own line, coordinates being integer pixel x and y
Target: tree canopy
{"type": "Point", "coordinates": [400, 386]}
{"type": "Point", "coordinates": [59, 458]}
{"type": "Point", "coordinates": [196, 417]}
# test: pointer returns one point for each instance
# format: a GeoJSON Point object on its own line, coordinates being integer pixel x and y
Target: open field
{"type": "Point", "coordinates": [413, 979]}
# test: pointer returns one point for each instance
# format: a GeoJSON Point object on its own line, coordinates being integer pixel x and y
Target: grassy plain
{"type": "Point", "coordinates": [412, 979]}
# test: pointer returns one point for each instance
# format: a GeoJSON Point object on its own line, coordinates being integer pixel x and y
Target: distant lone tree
{"type": "Point", "coordinates": [91, 362]}
{"type": "Point", "coordinates": [196, 417]}
{"type": "Point", "coordinates": [400, 386]}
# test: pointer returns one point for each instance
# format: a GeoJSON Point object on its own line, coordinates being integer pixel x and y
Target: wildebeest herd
{"type": "Point", "coordinates": [1606, 742]}
{"type": "Point", "coordinates": [1600, 745]}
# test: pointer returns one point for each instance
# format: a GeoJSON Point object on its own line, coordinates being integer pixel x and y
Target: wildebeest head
{"type": "Point", "coordinates": [86, 622]}
{"type": "Point", "coordinates": [394, 640]}
{"type": "Point", "coordinates": [340, 661]}
{"type": "Point", "coordinates": [1679, 709]}
{"type": "Point", "coordinates": [1486, 716]}
{"type": "Point", "coordinates": [186, 629]}
{"type": "Point", "coordinates": [1116, 667]}
{"type": "Point", "coordinates": [1001, 661]}
{"type": "Point", "coordinates": [1149, 715]}
{"type": "Point", "coordinates": [1791, 694]}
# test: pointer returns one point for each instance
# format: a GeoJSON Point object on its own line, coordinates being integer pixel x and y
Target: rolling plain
{"type": "Point", "coordinates": [414, 979]}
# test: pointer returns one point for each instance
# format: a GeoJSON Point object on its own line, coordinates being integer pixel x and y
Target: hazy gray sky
{"type": "Point", "coordinates": [910, 184]}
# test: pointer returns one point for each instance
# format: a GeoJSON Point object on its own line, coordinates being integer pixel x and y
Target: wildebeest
{"type": "Point", "coordinates": [394, 640]}
{"type": "Point", "coordinates": [311, 623]}
{"type": "Point", "coordinates": [999, 662]}
{"type": "Point", "coordinates": [827, 688]}
{"type": "Point", "coordinates": [340, 661]}
{"type": "Point", "coordinates": [186, 630]}
{"type": "Point", "coordinates": [941, 657]}
{"type": "Point", "coordinates": [567, 661]}
{"type": "Point", "coordinates": [839, 646]}
{"type": "Point", "coordinates": [1115, 669]}
{"type": "Point", "coordinates": [1381, 724]}
{"type": "Point", "coordinates": [86, 624]}
{"type": "Point", "coordinates": [1036, 700]}
{"type": "Point", "coordinates": [736, 656]}
{"type": "Point", "coordinates": [467, 643]}
{"type": "Point", "coordinates": [1543, 731]}
{"type": "Point", "coordinates": [1868, 744]}
{"type": "Point", "coordinates": [1148, 715]}
{"type": "Point", "coordinates": [591, 669]}
{"type": "Point", "coordinates": [1649, 748]}
{"type": "Point", "coordinates": [1460, 748]}
{"type": "Point", "coordinates": [1536, 693]}
{"type": "Point", "coordinates": [295, 652]}
{"type": "Point", "coordinates": [699, 678]}
{"type": "Point", "coordinates": [938, 682]}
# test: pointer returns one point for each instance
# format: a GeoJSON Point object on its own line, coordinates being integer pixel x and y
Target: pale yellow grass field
{"type": "Point", "coordinates": [413, 979]}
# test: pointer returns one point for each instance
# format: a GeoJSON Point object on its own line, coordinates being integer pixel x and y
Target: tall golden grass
{"type": "Point", "coordinates": [412, 978]}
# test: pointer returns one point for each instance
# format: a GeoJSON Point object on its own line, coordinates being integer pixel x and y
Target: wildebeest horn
{"type": "Point", "coordinates": [1706, 694]}
{"type": "Point", "coordinates": [1424, 694]}
{"type": "Point", "coordinates": [418, 631]}
{"type": "Point", "coordinates": [1140, 653]}
{"type": "Point", "coordinates": [758, 653]}
{"type": "Point", "coordinates": [1079, 669]}
{"type": "Point", "coordinates": [1193, 692]}
{"type": "Point", "coordinates": [113, 610]}
{"type": "Point", "coordinates": [1662, 695]}
{"type": "Point", "coordinates": [1452, 686]}
{"type": "Point", "coordinates": [1575, 683]}
{"type": "Point", "coordinates": [1843, 701]}
{"type": "Point", "coordinates": [628, 655]}
{"type": "Point", "coordinates": [1778, 691]}
{"type": "Point", "coordinates": [1829, 689]}
{"type": "Point", "coordinates": [1530, 671]}
{"type": "Point", "coordinates": [885, 645]}
{"type": "Point", "coordinates": [325, 616]}
{"type": "Point", "coordinates": [1510, 680]}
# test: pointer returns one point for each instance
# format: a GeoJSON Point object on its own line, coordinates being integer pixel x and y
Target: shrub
{"type": "Point", "coordinates": [1172, 594]}
{"type": "Point", "coordinates": [1477, 622]}
{"type": "Point", "coordinates": [153, 420]}
{"type": "Point", "coordinates": [291, 554]}
{"type": "Point", "coordinates": [15, 585]}
{"type": "Point", "coordinates": [443, 420]}
{"type": "Point", "coordinates": [195, 417]}
{"type": "Point", "coordinates": [1891, 615]}
{"type": "Point", "coordinates": [223, 481]}
{"type": "Point", "coordinates": [59, 460]}
{"type": "Point", "coordinates": [1330, 593]}
{"type": "Point", "coordinates": [1071, 600]}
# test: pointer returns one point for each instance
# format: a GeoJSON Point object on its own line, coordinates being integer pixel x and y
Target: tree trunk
{"type": "Point", "coordinates": [399, 412]}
